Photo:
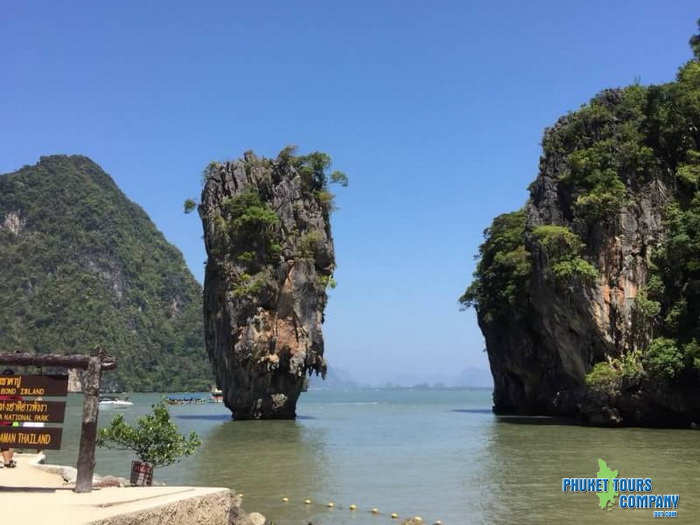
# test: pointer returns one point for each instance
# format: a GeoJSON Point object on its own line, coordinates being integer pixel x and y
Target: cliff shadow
{"type": "Point", "coordinates": [222, 417]}
{"type": "Point", "coordinates": [537, 420]}
{"type": "Point", "coordinates": [205, 417]}
{"type": "Point", "coordinates": [473, 411]}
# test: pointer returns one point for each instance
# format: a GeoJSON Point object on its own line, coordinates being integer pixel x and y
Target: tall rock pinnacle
{"type": "Point", "coordinates": [270, 259]}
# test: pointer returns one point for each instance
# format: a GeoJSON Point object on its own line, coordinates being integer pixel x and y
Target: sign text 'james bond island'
{"type": "Point", "coordinates": [22, 412]}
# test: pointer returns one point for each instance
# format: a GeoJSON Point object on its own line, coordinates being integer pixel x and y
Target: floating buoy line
{"type": "Point", "coordinates": [375, 511]}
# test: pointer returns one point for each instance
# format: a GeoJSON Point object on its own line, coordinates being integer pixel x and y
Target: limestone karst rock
{"type": "Point", "coordinates": [270, 259]}
{"type": "Point", "coordinates": [588, 297]}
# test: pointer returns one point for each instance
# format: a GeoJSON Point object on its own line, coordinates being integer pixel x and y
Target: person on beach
{"type": "Point", "coordinates": [8, 453]}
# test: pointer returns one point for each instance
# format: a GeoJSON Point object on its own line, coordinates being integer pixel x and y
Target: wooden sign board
{"type": "Point", "coordinates": [45, 385]}
{"type": "Point", "coordinates": [29, 437]}
{"type": "Point", "coordinates": [32, 411]}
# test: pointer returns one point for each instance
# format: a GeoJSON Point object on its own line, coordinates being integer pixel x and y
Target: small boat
{"type": "Point", "coordinates": [115, 402]}
{"type": "Point", "coordinates": [185, 400]}
{"type": "Point", "coordinates": [216, 395]}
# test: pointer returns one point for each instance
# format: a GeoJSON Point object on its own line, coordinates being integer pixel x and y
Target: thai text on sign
{"type": "Point", "coordinates": [45, 385]}
{"type": "Point", "coordinates": [32, 411]}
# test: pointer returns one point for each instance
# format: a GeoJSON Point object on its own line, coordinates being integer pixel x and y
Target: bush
{"type": "Point", "coordinates": [190, 205]}
{"type": "Point", "coordinates": [609, 376]}
{"type": "Point", "coordinates": [326, 281]}
{"type": "Point", "coordinates": [326, 199]}
{"type": "Point", "coordinates": [502, 278]}
{"type": "Point", "coordinates": [663, 359]}
{"type": "Point", "coordinates": [692, 354]}
{"type": "Point", "coordinates": [558, 241]}
{"type": "Point", "coordinates": [308, 243]}
{"type": "Point", "coordinates": [630, 366]}
{"type": "Point", "coordinates": [576, 267]}
{"type": "Point", "coordinates": [248, 285]}
{"type": "Point", "coordinates": [604, 378]}
{"type": "Point", "coordinates": [249, 226]}
{"type": "Point", "coordinates": [211, 169]}
{"type": "Point", "coordinates": [646, 307]}
{"type": "Point", "coordinates": [155, 438]}
{"type": "Point", "coordinates": [563, 248]}
{"type": "Point", "coordinates": [312, 171]}
{"type": "Point", "coordinates": [248, 215]}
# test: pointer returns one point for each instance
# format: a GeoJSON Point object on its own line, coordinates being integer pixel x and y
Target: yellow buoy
{"type": "Point", "coordinates": [286, 500]}
{"type": "Point", "coordinates": [353, 507]}
{"type": "Point", "coordinates": [331, 504]}
{"type": "Point", "coordinates": [394, 515]}
{"type": "Point", "coordinates": [240, 494]}
{"type": "Point", "coordinates": [438, 522]}
{"type": "Point", "coordinates": [307, 501]}
{"type": "Point", "coordinates": [375, 510]}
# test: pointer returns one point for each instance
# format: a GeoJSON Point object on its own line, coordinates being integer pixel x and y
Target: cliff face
{"type": "Point", "coordinates": [585, 305]}
{"type": "Point", "coordinates": [540, 362]}
{"type": "Point", "coordinates": [268, 238]}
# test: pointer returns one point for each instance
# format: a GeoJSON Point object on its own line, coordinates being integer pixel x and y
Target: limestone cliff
{"type": "Point", "coordinates": [270, 258]}
{"type": "Point", "coordinates": [588, 297]}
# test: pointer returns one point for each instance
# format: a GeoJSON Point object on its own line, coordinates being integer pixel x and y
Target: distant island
{"type": "Point", "coordinates": [339, 379]}
{"type": "Point", "coordinates": [589, 296]}
{"type": "Point", "coordinates": [81, 265]}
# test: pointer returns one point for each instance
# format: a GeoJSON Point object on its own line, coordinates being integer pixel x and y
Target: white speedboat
{"type": "Point", "coordinates": [115, 402]}
{"type": "Point", "coordinates": [216, 395]}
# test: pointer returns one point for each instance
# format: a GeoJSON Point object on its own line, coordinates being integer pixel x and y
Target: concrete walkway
{"type": "Point", "coordinates": [30, 495]}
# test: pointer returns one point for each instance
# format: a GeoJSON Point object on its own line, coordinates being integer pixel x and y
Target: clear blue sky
{"type": "Point", "coordinates": [435, 110]}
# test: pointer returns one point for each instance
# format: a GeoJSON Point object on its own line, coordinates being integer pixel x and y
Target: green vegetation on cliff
{"type": "Point", "coordinates": [81, 265]}
{"type": "Point", "coordinates": [563, 248]}
{"type": "Point", "coordinates": [249, 232]}
{"type": "Point", "coordinates": [502, 275]}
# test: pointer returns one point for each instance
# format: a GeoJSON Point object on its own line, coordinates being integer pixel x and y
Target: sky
{"type": "Point", "coordinates": [434, 110]}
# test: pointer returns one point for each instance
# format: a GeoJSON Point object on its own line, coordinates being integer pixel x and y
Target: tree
{"type": "Point", "coordinates": [155, 438]}
{"type": "Point", "coordinates": [190, 205]}
{"type": "Point", "coordinates": [695, 42]}
{"type": "Point", "coordinates": [502, 277]}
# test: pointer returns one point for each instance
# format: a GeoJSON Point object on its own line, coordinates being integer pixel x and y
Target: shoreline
{"type": "Point", "coordinates": [35, 493]}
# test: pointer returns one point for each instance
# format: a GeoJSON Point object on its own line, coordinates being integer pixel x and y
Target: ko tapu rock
{"type": "Point", "coordinates": [589, 296]}
{"type": "Point", "coordinates": [270, 260]}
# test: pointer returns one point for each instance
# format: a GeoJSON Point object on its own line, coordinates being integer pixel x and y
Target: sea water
{"type": "Point", "coordinates": [438, 454]}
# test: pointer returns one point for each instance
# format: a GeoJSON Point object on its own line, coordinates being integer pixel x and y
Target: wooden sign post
{"type": "Point", "coordinates": [88, 432]}
{"type": "Point", "coordinates": [53, 411]}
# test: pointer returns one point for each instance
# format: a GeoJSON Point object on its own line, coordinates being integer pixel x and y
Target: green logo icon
{"type": "Point", "coordinates": [607, 498]}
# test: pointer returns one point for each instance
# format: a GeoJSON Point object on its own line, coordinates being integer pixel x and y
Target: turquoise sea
{"type": "Point", "coordinates": [438, 454]}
